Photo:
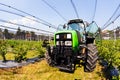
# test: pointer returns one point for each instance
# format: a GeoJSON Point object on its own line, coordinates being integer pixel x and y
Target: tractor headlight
{"type": "Point", "coordinates": [68, 43]}
{"type": "Point", "coordinates": [69, 36]}
{"type": "Point", "coordinates": [57, 43]}
{"type": "Point", "coordinates": [57, 36]}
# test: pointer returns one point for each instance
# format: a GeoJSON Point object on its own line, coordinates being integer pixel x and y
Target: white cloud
{"type": "Point", "coordinates": [14, 21]}
{"type": "Point", "coordinates": [7, 24]}
{"type": "Point", "coordinates": [25, 21]}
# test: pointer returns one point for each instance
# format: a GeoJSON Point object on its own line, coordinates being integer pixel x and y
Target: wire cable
{"type": "Point", "coordinates": [8, 27]}
{"type": "Point", "coordinates": [111, 22]}
{"type": "Point", "coordinates": [24, 26]}
{"type": "Point", "coordinates": [26, 17]}
{"type": "Point", "coordinates": [74, 7]}
{"type": "Point", "coordinates": [55, 10]}
{"type": "Point", "coordinates": [94, 10]}
{"type": "Point", "coordinates": [112, 15]}
{"type": "Point", "coordinates": [17, 29]}
{"type": "Point", "coordinates": [27, 14]}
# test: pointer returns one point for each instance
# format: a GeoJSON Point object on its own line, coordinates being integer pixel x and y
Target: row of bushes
{"type": "Point", "coordinates": [20, 48]}
{"type": "Point", "coordinates": [109, 54]}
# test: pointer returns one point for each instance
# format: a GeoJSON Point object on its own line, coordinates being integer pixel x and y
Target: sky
{"type": "Point", "coordinates": [85, 8]}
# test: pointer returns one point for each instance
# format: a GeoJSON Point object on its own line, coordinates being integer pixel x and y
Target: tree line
{"type": "Point", "coordinates": [22, 35]}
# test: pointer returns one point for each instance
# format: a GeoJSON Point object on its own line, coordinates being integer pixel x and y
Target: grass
{"type": "Point", "coordinates": [42, 71]}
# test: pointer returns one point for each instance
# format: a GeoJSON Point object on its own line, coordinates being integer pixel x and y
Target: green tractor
{"type": "Point", "coordinates": [74, 44]}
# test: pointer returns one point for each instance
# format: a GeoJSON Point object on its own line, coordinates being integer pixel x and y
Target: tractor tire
{"type": "Point", "coordinates": [91, 58]}
{"type": "Point", "coordinates": [47, 55]}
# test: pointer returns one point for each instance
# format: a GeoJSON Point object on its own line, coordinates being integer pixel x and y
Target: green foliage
{"type": "Point", "coordinates": [20, 49]}
{"type": "Point", "coordinates": [109, 50]}
{"type": "Point", "coordinates": [20, 52]}
{"type": "Point", "coordinates": [3, 49]}
{"type": "Point", "coordinates": [40, 49]}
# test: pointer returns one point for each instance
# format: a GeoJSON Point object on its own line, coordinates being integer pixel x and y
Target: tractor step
{"type": "Point", "coordinates": [63, 68]}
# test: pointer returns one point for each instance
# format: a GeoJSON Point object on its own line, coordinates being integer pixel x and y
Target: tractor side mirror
{"type": "Point", "coordinates": [64, 26]}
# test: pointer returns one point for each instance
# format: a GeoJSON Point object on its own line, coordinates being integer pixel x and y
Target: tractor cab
{"type": "Point", "coordinates": [83, 29]}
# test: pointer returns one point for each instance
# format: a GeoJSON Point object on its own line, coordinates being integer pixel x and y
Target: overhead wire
{"type": "Point", "coordinates": [26, 17]}
{"type": "Point", "coordinates": [24, 26]}
{"type": "Point", "coordinates": [55, 10]}
{"type": "Point", "coordinates": [111, 22]}
{"type": "Point", "coordinates": [112, 16]}
{"type": "Point", "coordinates": [74, 7]}
{"type": "Point", "coordinates": [50, 25]}
{"type": "Point", "coordinates": [94, 10]}
{"type": "Point", "coordinates": [6, 27]}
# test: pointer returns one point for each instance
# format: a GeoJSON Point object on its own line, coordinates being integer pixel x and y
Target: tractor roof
{"type": "Point", "coordinates": [75, 21]}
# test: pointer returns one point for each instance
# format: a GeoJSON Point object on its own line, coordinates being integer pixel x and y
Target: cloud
{"type": "Point", "coordinates": [14, 21]}
{"type": "Point", "coordinates": [25, 21]}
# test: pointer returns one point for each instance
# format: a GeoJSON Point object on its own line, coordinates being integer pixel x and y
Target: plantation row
{"type": "Point", "coordinates": [19, 50]}
{"type": "Point", "coordinates": [109, 50]}
{"type": "Point", "coordinates": [109, 54]}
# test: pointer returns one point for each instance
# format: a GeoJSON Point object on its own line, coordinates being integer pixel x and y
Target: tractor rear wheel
{"type": "Point", "coordinates": [91, 58]}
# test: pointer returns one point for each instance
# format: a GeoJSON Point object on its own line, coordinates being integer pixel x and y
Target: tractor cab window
{"type": "Point", "coordinates": [76, 26]}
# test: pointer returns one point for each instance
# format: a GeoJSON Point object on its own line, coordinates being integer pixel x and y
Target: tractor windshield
{"type": "Point", "coordinates": [76, 26]}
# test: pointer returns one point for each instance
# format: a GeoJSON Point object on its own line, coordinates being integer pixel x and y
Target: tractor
{"type": "Point", "coordinates": [74, 44]}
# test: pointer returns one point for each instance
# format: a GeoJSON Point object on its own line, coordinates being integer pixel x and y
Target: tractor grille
{"type": "Point", "coordinates": [64, 39]}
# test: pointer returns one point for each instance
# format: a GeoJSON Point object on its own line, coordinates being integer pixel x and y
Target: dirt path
{"type": "Point", "coordinates": [41, 71]}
